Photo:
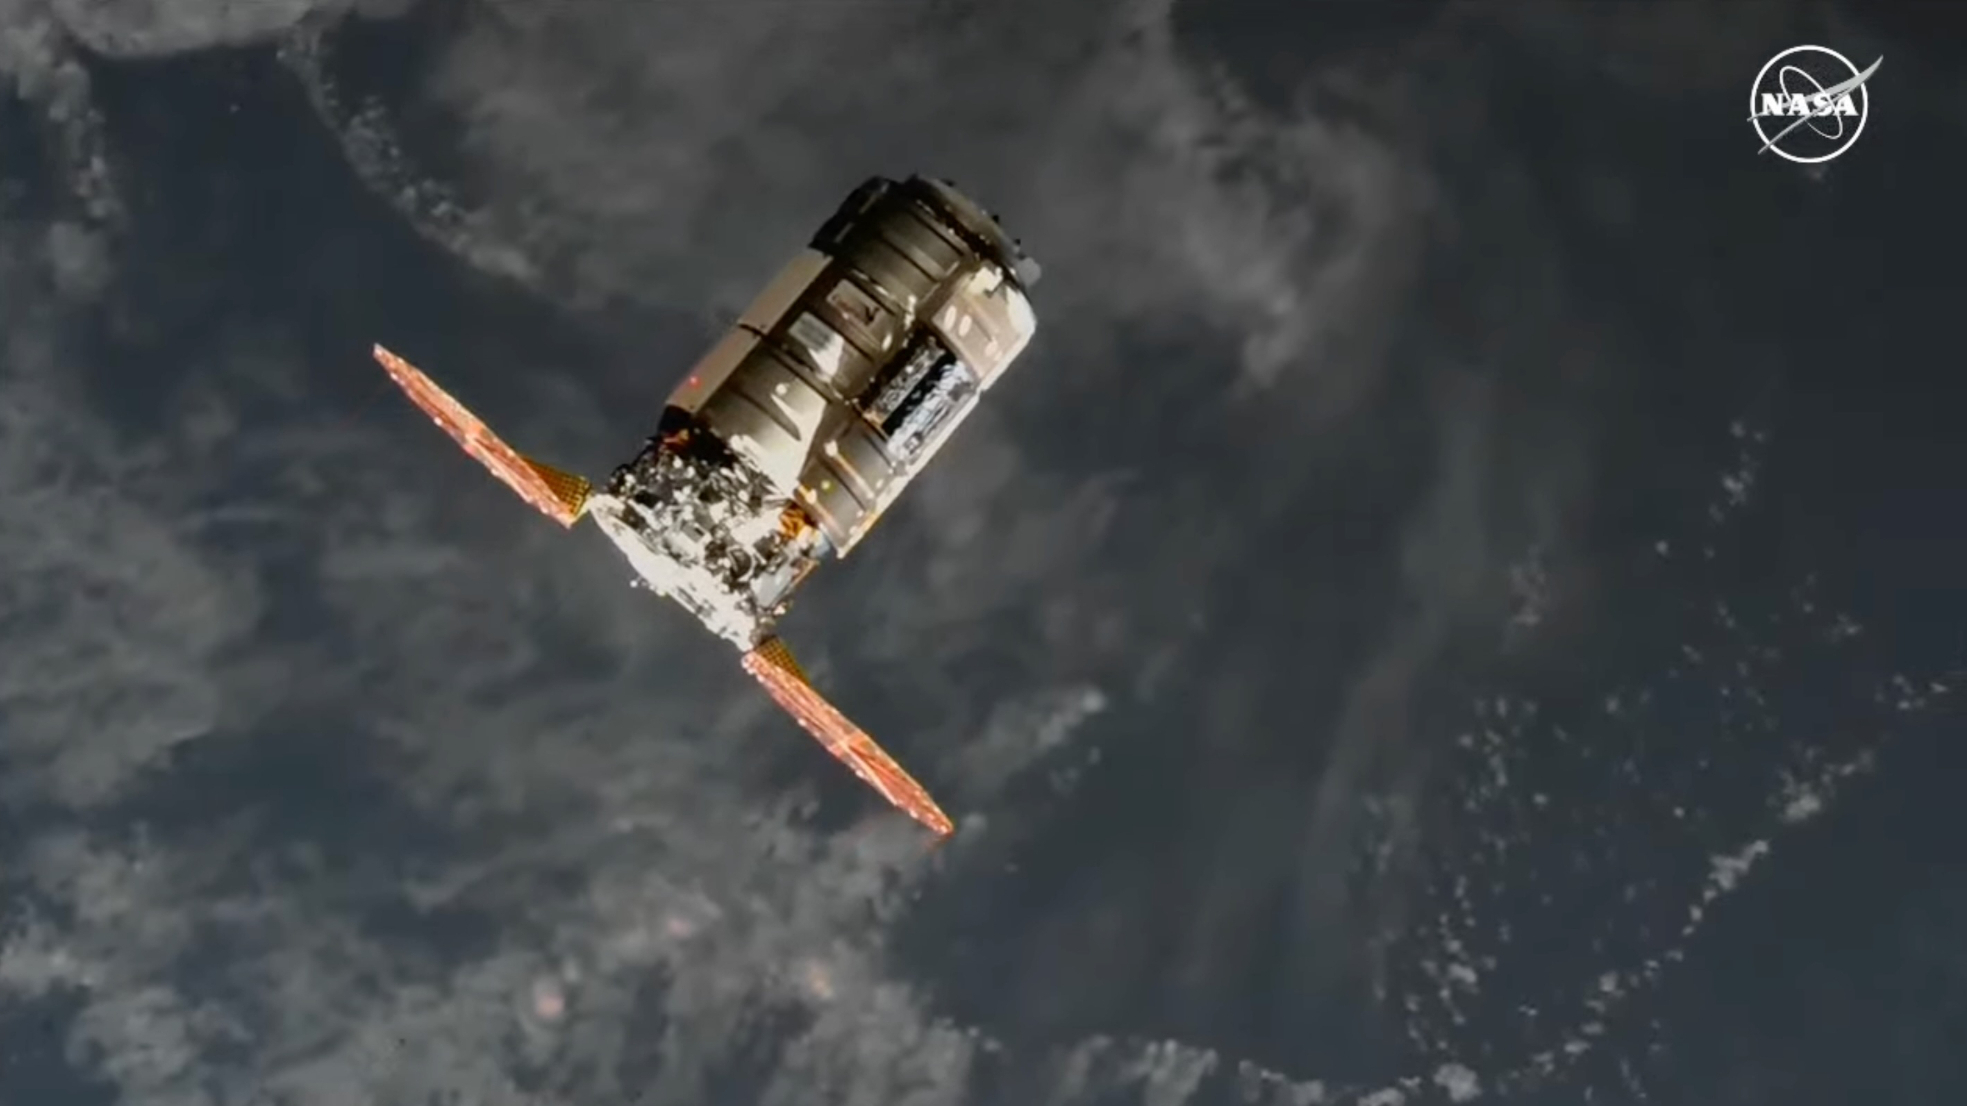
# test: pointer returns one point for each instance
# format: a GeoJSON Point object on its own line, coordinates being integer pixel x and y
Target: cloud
{"type": "Point", "coordinates": [158, 28]}
{"type": "Point", "coordinates": [114, 618]}
{"type": "Point", "coordinates": [616, 833]}
{"type": "Point", "coordinates": [351, 769]}
{"type": "Point", "coordinates": [132, 632]}
{"type": "Point", "coordinates": [675, 170]}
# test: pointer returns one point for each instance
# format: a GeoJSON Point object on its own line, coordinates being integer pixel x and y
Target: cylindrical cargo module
{"type": "Point", "coordinates": [848, 372]}
{"type": "Point", "coordinates": [801, 425]}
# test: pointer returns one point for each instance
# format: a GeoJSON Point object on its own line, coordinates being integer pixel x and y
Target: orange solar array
{"type": "Point", "coordinates": [555, 494]}
{"type": "Point", "coordinates": [772, 665]}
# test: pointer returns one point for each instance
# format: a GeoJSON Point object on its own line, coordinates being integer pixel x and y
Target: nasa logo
{"type": "Point", "coordinates": [1809, 104]}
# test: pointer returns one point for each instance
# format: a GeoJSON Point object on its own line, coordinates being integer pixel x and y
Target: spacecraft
{"type": "Point", "coordinates": [786, 441]}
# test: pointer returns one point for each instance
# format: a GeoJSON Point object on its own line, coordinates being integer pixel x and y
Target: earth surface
{"type": "Point", "coordinates": [1461, 602]}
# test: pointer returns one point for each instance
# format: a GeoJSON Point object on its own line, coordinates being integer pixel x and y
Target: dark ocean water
{"type": "Point", "coordinates": [1689, 313]}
